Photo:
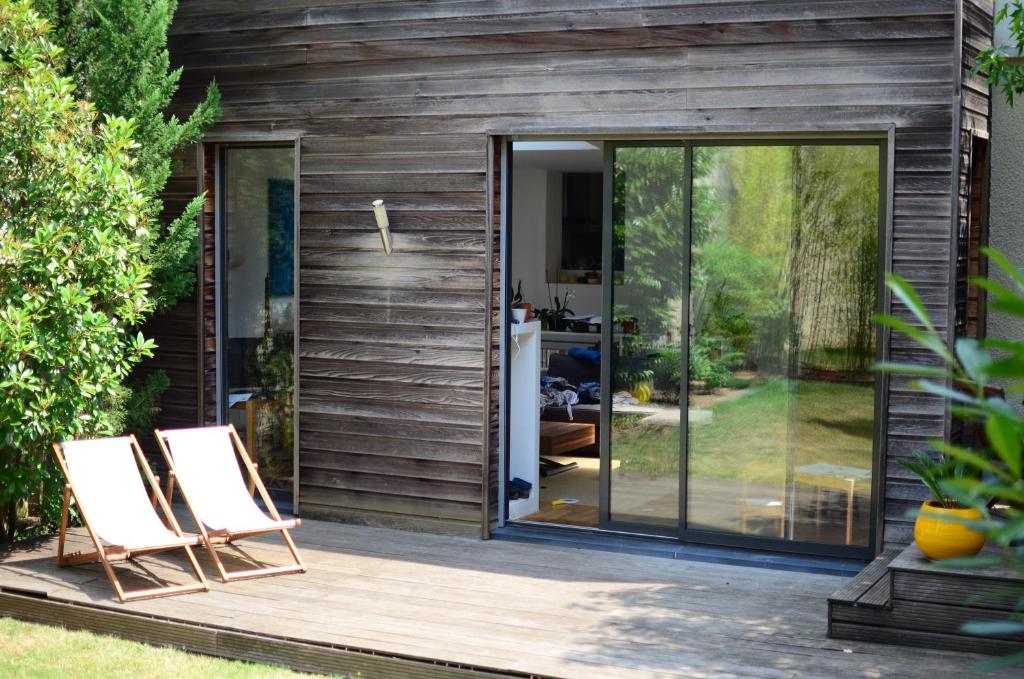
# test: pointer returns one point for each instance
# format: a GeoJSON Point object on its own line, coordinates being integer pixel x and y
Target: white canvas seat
{"type": "Point", "coordinates": [121, 518]}
{"type": "Point", "coordinates": [204, 464]}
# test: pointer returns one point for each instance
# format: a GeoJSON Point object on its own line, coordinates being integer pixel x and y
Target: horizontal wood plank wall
{"type": "Point", "coordinates": [396, 99]}
{"type": "Point", "coordinates": [175, 330]}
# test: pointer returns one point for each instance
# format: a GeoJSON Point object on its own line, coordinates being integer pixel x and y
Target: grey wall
{"type": "Point", "coordinates": [1006, 221]}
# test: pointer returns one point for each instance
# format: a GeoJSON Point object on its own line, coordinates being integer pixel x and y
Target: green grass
{"type": "Point", "coordinates": [749, 436]}
{"type": "Point", "coordinates": [40, 652]}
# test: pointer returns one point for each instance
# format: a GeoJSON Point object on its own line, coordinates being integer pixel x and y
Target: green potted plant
{"type": "Point", "coordinates": [940, 531]}
{"type": "Point", "coordinates": [553, 317]}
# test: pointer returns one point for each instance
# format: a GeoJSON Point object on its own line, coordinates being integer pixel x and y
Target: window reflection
{"type": "Point", "coordinates": [783, 286]}
{"type": "Point", "coordinates": [258, 303]}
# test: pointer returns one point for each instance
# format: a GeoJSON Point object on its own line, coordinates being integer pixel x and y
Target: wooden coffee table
{"type": "Point", "coordinates": [563, 437]}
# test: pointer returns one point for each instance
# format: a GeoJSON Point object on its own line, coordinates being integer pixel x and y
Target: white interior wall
{"type": "Point", "coordinates": [529, 234]}
{"type": "Point", "coordinates": [536, 242]}
{"type": "Point", "coordinates": [1006, 217]}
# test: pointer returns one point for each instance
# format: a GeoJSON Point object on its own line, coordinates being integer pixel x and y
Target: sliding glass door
{"type": "Point", "coordinates": [783, 285]}
{"type": "Point", "coordinates": [738, 392]}
{"type": "Point", "coordinates": [643, 325]}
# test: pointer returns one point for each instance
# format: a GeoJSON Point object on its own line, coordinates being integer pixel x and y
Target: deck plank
{"type": "Point", "coordinates": [503, 606]}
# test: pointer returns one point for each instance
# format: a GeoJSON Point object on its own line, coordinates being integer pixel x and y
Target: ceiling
{"type": "Point", "coordinates": [564, 156]}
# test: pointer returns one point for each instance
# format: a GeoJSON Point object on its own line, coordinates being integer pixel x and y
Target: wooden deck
{"type": "Point", "coordinates": [386, 603]}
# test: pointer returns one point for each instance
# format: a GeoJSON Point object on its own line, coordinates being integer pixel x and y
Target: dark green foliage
{"type": "Point", "coordinates": [553, 317]}
{"type": "Point", "coordinates": [667, 368]}
{"type": "Point", "coordinates": [517, 299]}
{"type": "Point", "coordinates": [648, 225]}
{"type": "Point", "coordinates": [712, 360]}
{"type": "Point", "coordinates": [143, 401]}
{"type": "Point", "coordinates": [116, 51]}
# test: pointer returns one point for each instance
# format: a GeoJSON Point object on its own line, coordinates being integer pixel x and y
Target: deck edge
{"type": "Point", "coordinates": [222, 642]}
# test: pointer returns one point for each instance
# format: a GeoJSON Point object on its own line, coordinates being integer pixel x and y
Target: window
{"type": "Point", "coordinates": [257, 306]}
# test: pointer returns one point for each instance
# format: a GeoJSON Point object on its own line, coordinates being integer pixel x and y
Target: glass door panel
{"type": "Point", "coordinates": [257, 303]}
{"type": "Point", "coordinates": [783, 284]}
{"type": "Point", "coordinates": [645, 298]}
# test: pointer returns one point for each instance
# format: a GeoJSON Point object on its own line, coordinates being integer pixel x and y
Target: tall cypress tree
{"type": "Point", "coordinates": [116, 51]}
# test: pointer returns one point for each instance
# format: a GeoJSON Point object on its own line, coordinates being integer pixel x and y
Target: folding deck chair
{"type": "Point", "coordinates": [203, 465]}
{"type": "Point", "coordinates": [103, 479]}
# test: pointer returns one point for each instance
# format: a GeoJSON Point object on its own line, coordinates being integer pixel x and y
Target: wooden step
{"type": "Point", "coordinates": [903, 598]}
{"type": "Point", "coordinates": [870, 587]}
{"type": "Point", "coordinates": [915, 578]}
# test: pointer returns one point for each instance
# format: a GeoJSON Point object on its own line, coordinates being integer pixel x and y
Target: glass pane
{"type": "Point", "coordinates": [258, 309]}
{"type": "Point", "coordinates": [783, 286]}
{"type": "Point", "coordinates": [647, 297]}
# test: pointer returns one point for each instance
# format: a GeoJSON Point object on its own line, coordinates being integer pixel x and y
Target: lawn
{"type": "Point", "coordinates": [38, 651]}
{"type": "Point", "coordinates": [749, 436]}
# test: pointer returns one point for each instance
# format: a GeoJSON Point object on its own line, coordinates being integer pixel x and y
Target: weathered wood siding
{"type": "Point", "coordinates": [397, 99]}
{"type": "Point", "coordinates": [176, 330]}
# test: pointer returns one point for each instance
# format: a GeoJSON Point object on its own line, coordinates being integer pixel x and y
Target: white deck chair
{"type": "Point", "coordinates": [103, 479]}
{"type": "Point", "coordinates": [203, 464]}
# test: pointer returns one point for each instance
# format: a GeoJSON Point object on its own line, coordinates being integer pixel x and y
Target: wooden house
{"type": "Point", "coordinates": [382, 380]}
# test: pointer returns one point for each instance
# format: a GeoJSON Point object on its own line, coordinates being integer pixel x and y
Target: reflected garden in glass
{"type": "Point", "coordinates": [783, 286]}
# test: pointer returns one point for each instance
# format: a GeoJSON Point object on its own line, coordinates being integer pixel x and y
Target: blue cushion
{"type": "Point", "coordinates": [591, 355]}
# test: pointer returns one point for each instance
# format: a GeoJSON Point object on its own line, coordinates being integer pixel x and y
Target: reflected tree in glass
{"type": "Point", "coordinates": [783, 284]}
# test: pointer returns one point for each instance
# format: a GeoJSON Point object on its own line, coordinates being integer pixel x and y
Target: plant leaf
{"type": "Point", "coordinates": [1003, 263]}
{"type": "Point", "coordinates": [993, 627]}
{"type": "Point", "coordinates": [1006, 441]}
{"type": "Point", "coordinates": [974, 359]}
{"type": "Point", "coordinates": [906, 294]}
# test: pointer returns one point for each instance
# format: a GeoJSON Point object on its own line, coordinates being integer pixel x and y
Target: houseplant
{"type": "Point", "coordinates": [940, 531]}
{"type": "Point", "coordinates": [519, 303]}
{"type": "Point", "coordinates": [553, 317]}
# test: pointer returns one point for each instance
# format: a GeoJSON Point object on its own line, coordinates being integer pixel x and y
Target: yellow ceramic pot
{"type": "Point", "coordinates": [940, 539]}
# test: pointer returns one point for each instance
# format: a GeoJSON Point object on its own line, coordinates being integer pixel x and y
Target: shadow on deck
{"type": "Point", "coordinates": [396, 604]}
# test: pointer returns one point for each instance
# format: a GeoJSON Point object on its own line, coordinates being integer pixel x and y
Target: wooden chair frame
{"type": "Point", "coordinates": [211, 538]}
{"type": "Point", "coordinates": [107, 555]}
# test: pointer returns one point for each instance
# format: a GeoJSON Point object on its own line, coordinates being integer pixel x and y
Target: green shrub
{"type": "Point", "coordinates": [712, 360]}
{"type": "Point", "coordinates": [116, 53]}
{"type": "Point", "coordinates": [73, 227]}
{"type": "Point", "coordinates": [667, 370]}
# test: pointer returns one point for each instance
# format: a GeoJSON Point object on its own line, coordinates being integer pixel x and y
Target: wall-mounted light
{"type": "Point", "coordinates": [381, 213]}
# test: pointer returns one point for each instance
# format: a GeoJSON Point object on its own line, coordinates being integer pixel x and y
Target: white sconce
{"type": "Point", "coordinates": [381, 213]}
